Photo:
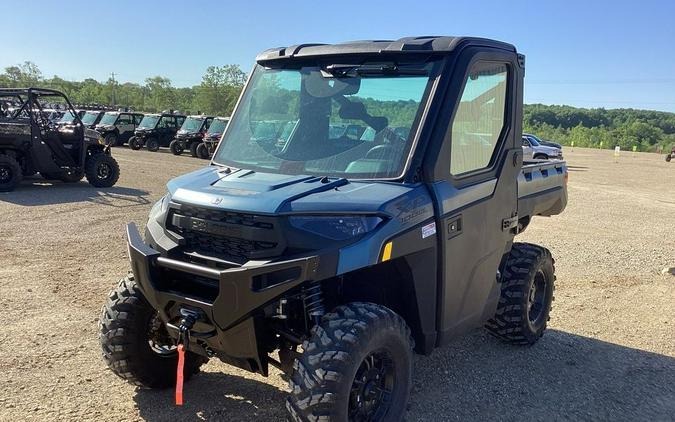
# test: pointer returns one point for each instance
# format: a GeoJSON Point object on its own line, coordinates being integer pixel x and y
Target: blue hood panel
{"type": "Point", "coordinates": [267, 193]}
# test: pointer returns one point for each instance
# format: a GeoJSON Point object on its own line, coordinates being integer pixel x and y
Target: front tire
{"type": "Point", "coordinates": [357, 365]}
{"type": "Point", "coordinates": [102, 170]}
{"type": "Point", "coordinates": [202, 151]}
{"type": "Point", "coordinates": [10, 173]}
{"type": "Point", "coordinates": [541, 157]}
{"type": "Point", "coordinates": [175, 147]}
{"type": "Point", "coordinates": [110, 139]}
{"type": "Point", "coordinates": [135, 343]}
{"type": "Point", "coordinates": [527, 286]}
{"type": "Point", "coordinates": [135, 144]}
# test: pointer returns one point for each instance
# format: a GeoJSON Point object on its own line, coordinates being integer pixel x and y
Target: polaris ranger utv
{"type": "Point", "coordinates": [345, 255]}
{"type": "Point", "coordinates": [156, 130]}
{"type": "Point", "coordinates": [211, 138]}
{"type": "Point", "coordinates": [190, 135]}
{"type": "Point", "coordinates": [30, 143]}
{"type": "Point", "coordinates": [117, 127]}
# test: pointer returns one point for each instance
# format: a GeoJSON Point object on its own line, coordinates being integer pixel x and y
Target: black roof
{"type": "Point", "coordinates": [35, 91]}
{"type": "Point", "coordinates": [404, 46]}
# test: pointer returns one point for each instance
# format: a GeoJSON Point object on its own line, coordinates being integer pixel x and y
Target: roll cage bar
{"type": "Point", "coordinates": [29, 97]}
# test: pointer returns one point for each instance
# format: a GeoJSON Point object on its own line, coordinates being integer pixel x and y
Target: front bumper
{"type": "Point", "coordinates": [227, 300]}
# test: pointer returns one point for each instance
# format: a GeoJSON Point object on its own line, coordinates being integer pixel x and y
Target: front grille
{"type": "Point", "coordinates": [227, 235]}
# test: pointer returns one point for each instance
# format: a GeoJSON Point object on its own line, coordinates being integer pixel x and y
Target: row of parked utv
{"type": "Point", "coordinates": [198, 134]}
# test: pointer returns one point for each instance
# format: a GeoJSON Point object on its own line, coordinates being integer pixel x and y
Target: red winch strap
{"type": "Point", "coordinates": [179, 375]}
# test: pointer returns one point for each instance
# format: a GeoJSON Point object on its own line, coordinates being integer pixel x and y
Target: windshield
{"type": "Point", "coordinates": [89, 117]}
{"type": "Point", "coordinates": [217, 126]}
{"type": "Point", "coordinates": [149, 122]}
{"type": "Point", "coordinates": [108, 119]}
{"type": "Point", "coordinates": [312, 121]}
{"type": "Point", "coordinates": [67, 117]}
{"type": "Point", "coordinates": [192, 124]}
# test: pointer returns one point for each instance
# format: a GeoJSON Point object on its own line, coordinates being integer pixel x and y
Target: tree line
{"type": "Point", "coordinates": [219, 89]}
{"type": "Point", "coordinates": [216, 94]}
{"type": "Point", "coordinates": [646, 130]}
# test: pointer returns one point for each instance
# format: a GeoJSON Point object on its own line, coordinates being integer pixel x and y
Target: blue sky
{"type": "Point", "coordinates": [585, 53]}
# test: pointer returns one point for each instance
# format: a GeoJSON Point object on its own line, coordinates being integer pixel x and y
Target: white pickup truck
{"type": "Point", "coordinates": [533, 149]}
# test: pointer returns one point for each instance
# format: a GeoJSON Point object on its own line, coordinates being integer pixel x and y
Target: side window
{"type": "Point", "coordinates": [167, 122]}
{"type": "Point", "coordinates": [479, 119]}
{"type": "Point", "coordinates": [124, 119]}
{"type": "Point", "coordinates": [526, 142]}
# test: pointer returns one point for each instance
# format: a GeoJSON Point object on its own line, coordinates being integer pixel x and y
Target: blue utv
{"type": "Point", "coordinates": [335, 256]}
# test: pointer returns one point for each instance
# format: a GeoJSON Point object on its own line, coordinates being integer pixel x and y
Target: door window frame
{"type": "Point", "coordinates": [489, 171]}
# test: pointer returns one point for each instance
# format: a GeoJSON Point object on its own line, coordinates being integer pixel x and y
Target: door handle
{"type": "Point", "coordinates": [454, 227]}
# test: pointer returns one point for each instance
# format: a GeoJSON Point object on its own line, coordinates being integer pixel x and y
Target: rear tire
{"type": "Point", "coordinates": [359, 352]}
{"type": "Point", "coordinates": [193, 149]}
{"type": "Point", "coordinates": [152, 144]}
{"type": "Point", "coordinates": [202, 151]}
{"type": "Point", "coordinates": [10, 173]}
{"type": "Point", "coordinates": [175, 147]}
{"type": "Point", "coordinates": [527, 286]}
{"type": "Point", "coordinates": [102, 170]}
{"type": "Point", "coordinates": [127, 326]}
{"type": "Point", "coordinates": [135, 144]}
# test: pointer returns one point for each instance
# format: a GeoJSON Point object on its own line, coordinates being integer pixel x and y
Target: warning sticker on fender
{"type": "Point", "coordinates": [428, 230]}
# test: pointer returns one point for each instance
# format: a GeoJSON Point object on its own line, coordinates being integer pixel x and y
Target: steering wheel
{"type": "Point", "coordinates": [378, 152]}
{"type": "Point", "coordinates": [387, 142]}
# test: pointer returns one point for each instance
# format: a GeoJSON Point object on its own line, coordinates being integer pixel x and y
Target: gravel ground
{"type": "Point", "coordinates": [609, 353]}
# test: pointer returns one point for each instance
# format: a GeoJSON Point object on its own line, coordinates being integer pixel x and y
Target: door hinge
{"type": "Point", "coordinates": [510, 223]}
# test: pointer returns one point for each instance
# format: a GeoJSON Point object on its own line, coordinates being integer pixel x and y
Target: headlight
{"type": "Point", "coordinates": [160, 207]}
{"type": "Point", "coordinates": [336, 227]}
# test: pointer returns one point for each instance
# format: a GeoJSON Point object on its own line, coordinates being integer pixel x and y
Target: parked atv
{"type": "Point", "coordinates": [334, 259]}
{"type": "Point", "coordinates": [190, 135]}
{"type": "Point", "coordinates": [156, 130]}
{"type": "Point", "coordinates": [30, 143]}
{"type": "Point", "coordinates": [671, 155]}
{"type": "Point", "coordinates": [210, 142]}
{"type": "Point", "coordinates": [117, 127]}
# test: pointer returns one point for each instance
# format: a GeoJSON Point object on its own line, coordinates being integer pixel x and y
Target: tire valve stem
{"type": "Point", "coordinates": [313, 298]}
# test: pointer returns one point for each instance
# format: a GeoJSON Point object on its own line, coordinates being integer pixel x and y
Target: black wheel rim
{"type": "Point", "coordinates": [103, 171]}
{"type": "Point", "coordinates": [6, 174]}
{"type": "Point", "coordinates": [159, 339]}
{"type": "Point", "coordinates": [536, 301]}
{"type": "Point", "coordinates": [372, 388]}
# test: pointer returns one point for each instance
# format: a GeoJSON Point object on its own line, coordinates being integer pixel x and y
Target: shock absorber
{"type": "Point", "coordinates": [313, 301]}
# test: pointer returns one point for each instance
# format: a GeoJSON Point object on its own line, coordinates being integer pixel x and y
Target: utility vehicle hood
{"type": "Point", "coordinates": [267, 193]}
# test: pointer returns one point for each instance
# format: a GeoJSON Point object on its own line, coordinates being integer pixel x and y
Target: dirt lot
{"type": "Point", "coordinates": [609, 355]}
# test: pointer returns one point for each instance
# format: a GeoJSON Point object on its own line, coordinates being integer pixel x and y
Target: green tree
{"type": "Point", "coordinates": [219, 89]}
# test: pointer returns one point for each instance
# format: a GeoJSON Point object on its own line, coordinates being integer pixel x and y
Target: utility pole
{"type": "Point", "coordinates": [112, 75]}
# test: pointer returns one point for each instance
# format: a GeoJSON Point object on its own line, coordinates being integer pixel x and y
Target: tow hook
{"type": "Point", "coordinates": [189, 317]}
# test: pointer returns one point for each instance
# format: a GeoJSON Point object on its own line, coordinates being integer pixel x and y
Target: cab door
{"type": "Point", "coordinates": [476, 200]}
{"type": "Point", "coordinates": [125, 126]}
